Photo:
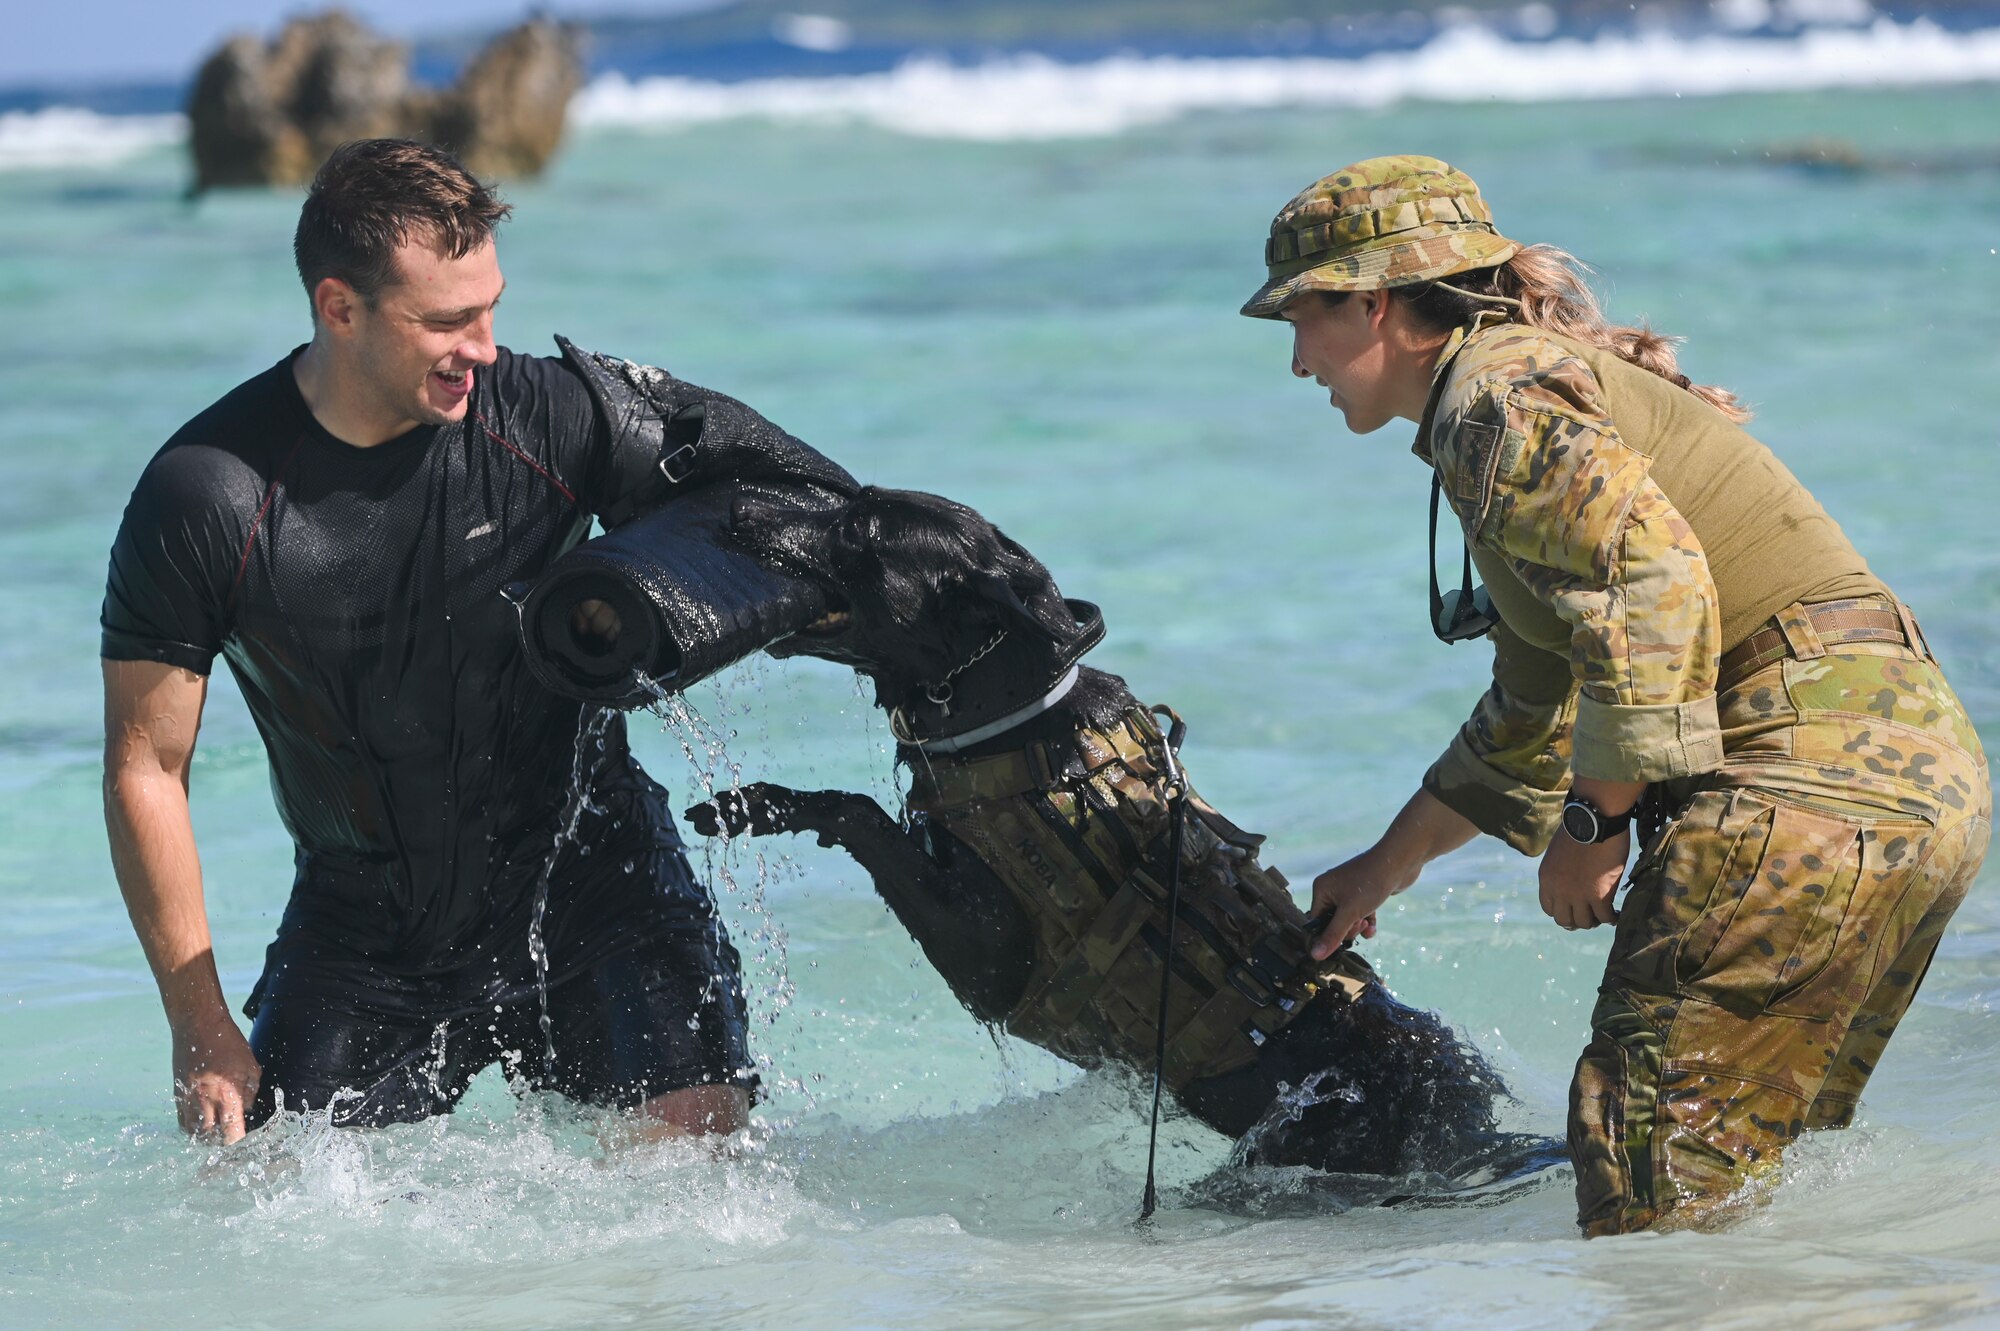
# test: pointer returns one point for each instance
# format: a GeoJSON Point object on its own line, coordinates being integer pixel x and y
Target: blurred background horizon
{"type": "Point", "coordinates": [131, 56]}
{"type": "Point", "coordinates": [114, 43]}
{"type": "Point", "coordinates": [97, 83]}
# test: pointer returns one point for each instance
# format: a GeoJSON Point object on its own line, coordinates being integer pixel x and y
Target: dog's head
{"type": "Point", "coordinates": [919, 583]}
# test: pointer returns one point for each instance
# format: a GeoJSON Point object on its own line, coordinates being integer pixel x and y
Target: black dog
{"type": "Point", "coordinates": [1031, 869]}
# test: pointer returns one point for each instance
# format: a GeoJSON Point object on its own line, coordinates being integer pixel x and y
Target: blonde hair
{"type": "Point", "coordinates": [1547, 288]}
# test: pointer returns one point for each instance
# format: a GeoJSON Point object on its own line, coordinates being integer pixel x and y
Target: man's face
{"type": "Point", "coordinates": [1342, 348]}
{"type": "Point", "coordinates": [426, 335]}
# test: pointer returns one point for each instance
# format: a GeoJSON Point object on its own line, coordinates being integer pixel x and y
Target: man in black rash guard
{"type": "Point", "coordinates": [338, 529]}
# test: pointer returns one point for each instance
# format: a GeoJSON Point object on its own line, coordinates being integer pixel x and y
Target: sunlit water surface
{"type": "Point", "coordinates": [1046, 331]}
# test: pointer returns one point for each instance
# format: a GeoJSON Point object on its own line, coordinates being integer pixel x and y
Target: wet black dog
{"type": "Point", "coordinates": [965, 635]}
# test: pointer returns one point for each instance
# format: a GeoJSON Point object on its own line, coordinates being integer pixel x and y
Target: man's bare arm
{"type": "Point", "coordinates": [152, 713]}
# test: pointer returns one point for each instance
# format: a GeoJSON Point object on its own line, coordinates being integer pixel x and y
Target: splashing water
{"type": "Point", "coordinates": [704, 743]}
{"type": "Point", "coordinates": [589, 734]}
{"type": "Point", "coordinates": [1291, 1106]}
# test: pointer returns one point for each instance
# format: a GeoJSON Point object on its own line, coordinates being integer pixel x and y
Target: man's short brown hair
{"type": "Point", "coordinates": [372, 195]}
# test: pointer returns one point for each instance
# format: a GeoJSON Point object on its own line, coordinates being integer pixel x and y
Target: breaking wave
{"type": "Point", "coordinates": [70, 136]}
{"type": "Point", "coordinates": [1033, 97]}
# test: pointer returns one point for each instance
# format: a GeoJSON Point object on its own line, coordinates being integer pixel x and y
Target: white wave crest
{"type": "Point", "coordinates": [1031, 97]}
{"type": "Point", "coordinates": [68, 136]}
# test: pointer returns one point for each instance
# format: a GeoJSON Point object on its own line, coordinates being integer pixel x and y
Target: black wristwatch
{"type": "Point", "coordinates": [1585, 822]}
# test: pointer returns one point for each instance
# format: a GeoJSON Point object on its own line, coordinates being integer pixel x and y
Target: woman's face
{"type": "Point", "coordinates": [1345, 346]}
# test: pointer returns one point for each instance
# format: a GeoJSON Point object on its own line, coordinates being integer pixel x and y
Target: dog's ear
{"type": "Point", "coordinates": [1022, 590]}
{"type": "Point", "coordinates": [793, 536]}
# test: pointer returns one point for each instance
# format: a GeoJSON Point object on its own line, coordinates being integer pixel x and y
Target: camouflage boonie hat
{"type": "Point", "coordinates": [1385, 222]}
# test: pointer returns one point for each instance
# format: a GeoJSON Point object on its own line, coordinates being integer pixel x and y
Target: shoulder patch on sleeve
{"type": "Point", "coordinates": [1490, 450]}
{"type": "Point", "coordinates": [1478, 443]}
{"type": "Point", "coordinates": [1508, 456]}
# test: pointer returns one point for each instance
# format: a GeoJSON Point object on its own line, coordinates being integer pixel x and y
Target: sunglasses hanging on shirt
{"type": "Point", "coordinates": [1466, 611]}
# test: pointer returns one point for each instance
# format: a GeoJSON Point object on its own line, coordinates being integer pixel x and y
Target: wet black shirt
{"type": "Point", "coordinates": [355, 594]}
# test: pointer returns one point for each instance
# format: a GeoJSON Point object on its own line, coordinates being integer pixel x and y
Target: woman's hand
{"type": "Point", "coordinates": [1347, 896]}
{"type": "Point", "coordinates": [1579, 881]}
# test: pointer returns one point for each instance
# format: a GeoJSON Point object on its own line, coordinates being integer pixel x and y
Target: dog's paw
{"type": "Point", "coordinates": [757, 809]}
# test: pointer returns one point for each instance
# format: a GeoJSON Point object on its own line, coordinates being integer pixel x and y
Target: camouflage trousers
{"type": "Point", "coordinates": [1776, 931]}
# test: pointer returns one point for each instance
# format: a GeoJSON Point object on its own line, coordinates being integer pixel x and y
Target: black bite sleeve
{"type": "Point", "coordinates": [666, 437]}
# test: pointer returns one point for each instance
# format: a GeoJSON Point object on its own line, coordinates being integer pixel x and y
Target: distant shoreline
{"type": "Point", "coordinates": [1027, 96]}
{"type": "Point", "coordinates": [739, 45]}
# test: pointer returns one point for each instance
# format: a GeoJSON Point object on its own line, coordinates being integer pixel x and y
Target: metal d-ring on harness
{"type": "Point", "coordinates": [1177, 815]}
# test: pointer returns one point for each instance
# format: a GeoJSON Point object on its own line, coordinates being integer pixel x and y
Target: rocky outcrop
{"type": "Point", "coordinates": [504, 116]}
{"type": "Point", "coordinates": [268, 114]}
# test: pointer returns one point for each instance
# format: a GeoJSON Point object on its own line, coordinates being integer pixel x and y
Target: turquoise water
{"type": "Point", "coordinates": [1046, 331]}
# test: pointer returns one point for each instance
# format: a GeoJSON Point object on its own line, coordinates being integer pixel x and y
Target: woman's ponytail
{"type": "Point", "coordinates": [1546, 288]}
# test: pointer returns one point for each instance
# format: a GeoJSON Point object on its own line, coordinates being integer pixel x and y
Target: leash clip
{"type": "Point", "coordinates": [1170, 748]}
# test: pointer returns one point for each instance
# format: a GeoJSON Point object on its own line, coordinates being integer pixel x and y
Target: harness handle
{"type": "Point", "coordinates": [1175, 733]}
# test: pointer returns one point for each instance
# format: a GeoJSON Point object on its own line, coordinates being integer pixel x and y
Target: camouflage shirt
{"type": "Point", "coordinates": [1606, 660]}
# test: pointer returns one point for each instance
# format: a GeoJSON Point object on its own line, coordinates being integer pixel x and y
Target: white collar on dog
{"type": "Point", "coordinates": [979, 735]}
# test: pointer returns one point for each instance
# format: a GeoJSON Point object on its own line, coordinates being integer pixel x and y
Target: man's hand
{"type": "Point", "coordinates": [1579, 881]}
{"type": "Point", "coordinates": [215, 1079]}
{"type": "Point", "coordinates": [596, 621]}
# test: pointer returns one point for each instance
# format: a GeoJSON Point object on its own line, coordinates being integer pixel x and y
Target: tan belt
{"type": "Point", "coordinates": [1807, 631]}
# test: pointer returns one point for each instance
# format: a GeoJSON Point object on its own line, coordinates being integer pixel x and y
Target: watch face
{"type": "Point", "coordinates": [1580, 821]}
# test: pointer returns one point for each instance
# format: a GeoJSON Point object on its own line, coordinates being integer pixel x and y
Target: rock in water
{"type": "Point", "coordinates": [504, 116]}
{"type": "Point", "coordinates": [269, 114]}
{"type": "Point", "coordinates": [263, 115]}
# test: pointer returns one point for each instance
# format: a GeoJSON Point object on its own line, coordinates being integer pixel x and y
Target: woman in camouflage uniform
{"type": "Point", "coordinates": [1673, 616]}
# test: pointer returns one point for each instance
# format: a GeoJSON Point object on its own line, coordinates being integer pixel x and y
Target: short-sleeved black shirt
{"type": "Point", "coordinates": [355, 594]}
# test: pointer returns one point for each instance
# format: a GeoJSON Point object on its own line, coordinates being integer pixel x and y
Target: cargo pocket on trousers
{"type": "Point", "coordinates": [1893, 893]}
{"type": "Point", "coordinates": [1669, 887]}
{"type": "Point", "coordinates": [1775, 916]}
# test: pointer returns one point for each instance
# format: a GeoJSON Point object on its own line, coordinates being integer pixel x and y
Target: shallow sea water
{"type": "Point", "coordinates": [1046, 331]}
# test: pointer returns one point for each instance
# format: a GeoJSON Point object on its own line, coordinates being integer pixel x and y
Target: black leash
{"type": "Point", "coordinates": [1176, 811]}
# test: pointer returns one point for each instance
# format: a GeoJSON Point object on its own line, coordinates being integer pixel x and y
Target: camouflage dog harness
{"type": "Point", "coordinates": [1084, 849]}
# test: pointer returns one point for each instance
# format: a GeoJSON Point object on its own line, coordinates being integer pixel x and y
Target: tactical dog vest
{"type": "Point", "coordinates": [1084, 850]}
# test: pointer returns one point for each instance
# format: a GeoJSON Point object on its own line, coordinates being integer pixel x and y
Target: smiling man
{"type": "Point", "coordinates": [339, 529]}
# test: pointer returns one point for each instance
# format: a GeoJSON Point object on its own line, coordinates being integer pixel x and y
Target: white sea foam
{"type": "Point", "coordinates": [67, 136]}
{"type": "Point", "coordinates": [1030, 97]}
